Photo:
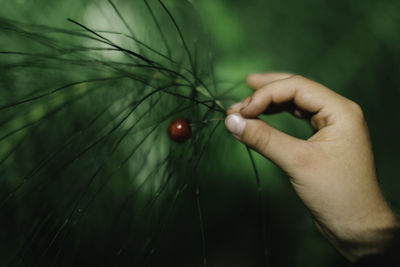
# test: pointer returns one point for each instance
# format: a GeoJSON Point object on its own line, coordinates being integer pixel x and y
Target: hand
{"type": "Point", "coordinates": [333, 172]}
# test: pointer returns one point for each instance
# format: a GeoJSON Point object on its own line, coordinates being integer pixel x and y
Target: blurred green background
{"type": "Point", "coordinates": [351, 47]}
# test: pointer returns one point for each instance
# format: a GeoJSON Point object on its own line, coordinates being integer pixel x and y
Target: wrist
{"type": "Point", "coordinates": [374, 235]}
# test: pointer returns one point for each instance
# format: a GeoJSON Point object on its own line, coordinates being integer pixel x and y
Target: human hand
{"type": "Point", "coordinates": [333, 172]}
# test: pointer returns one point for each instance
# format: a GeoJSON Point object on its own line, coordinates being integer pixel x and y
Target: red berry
{"type": "Point", "coordinates": [179, 130]}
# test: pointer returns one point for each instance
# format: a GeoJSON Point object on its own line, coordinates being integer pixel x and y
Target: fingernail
{"type": "Point", "coordinates": [235, 124]}
{"type": "Point", "coordinates": [245, 103]}
{"type": "Point", "coordinates": [240, 105]}
{"type": "Point", "coordinates": [236, 106]}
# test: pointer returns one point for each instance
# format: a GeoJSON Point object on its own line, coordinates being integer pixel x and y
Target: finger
{"type": "Point", "coordinates": [272, 109]}
{"type": "Point", "coordinates": [287, 107]}
{"type": "Point", "coordinates": [258, 80]}
{"type": "Point", "coordinates": [235, 108]}
{"type": "Point", "coordinates": [307, 96]}
{"type": "Point", "coordinates": [284, 150]}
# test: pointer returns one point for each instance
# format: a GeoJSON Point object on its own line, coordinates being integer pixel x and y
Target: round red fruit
{"type": "Point", "coordinates": [179, 130]}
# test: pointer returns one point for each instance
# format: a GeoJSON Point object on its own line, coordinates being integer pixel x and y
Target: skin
{"type": "Point", "coordinates": [333, 172]}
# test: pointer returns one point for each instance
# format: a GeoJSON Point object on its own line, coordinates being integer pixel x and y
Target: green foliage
{"type": "Point", "coordinates": [88, 174]}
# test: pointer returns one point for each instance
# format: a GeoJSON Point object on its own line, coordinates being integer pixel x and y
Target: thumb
{"type": "Point", "coordinates": [282, 149]}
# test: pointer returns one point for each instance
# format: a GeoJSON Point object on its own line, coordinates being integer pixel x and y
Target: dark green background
{"type": "Point", "coordinates": [350, 46]}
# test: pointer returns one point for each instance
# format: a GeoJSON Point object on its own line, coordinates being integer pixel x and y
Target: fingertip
{"type": "Point", "coordinates": [236, 124]}
{"type": "Point", "coordinates": [249, 113]}
{"type": "Point", "coordinates": [252, 109]}
{"type": "Point", "coordinates": [233, 109]}
{"type": "Point", "coordinates": [253, 80]}
{"type": "Point", "coordinates": [237, 107]}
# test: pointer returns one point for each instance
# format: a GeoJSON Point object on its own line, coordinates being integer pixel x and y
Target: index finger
{"type": "Point", "coordinates": [305, 94]}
